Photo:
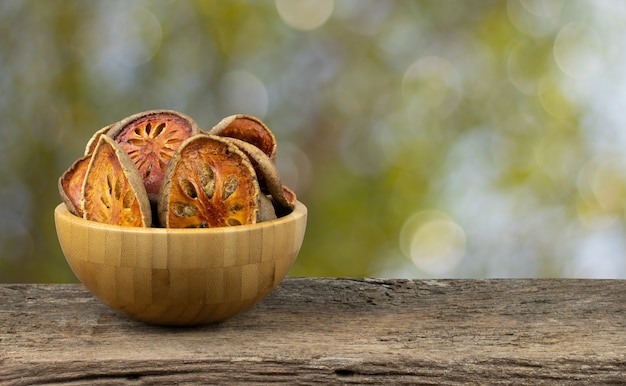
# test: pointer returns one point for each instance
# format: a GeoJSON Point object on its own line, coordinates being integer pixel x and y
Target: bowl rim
{"type": "Point", "coordinates": [61, 211]}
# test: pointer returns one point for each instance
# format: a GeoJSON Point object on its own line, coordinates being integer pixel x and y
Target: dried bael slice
{"type": "Point", "coordinates": [210, 183]}
{"type": "Point", "coordinates": [284, 199]}
{"type": "Point", "coordinates": [151, 139]}
{"type": "Point", "coordinates": [113, 191]}
{"type": "Point", "coordinates": [71, 185]}
{"type": "Point", "coordinates": [71, 182]}
{"type": "Point", "coordinates": [249, 129]}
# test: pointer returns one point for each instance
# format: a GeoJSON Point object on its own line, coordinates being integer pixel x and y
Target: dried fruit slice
{"type": "Point", "coordinates": [284, 198]}
{"type": "Point", "coordinates": [113, 191]}
{"type": "Point", "coordinates": [71, 185]}
{"type": "Point", "coordinates": [151, 139]}
{"type": "Point", "coordinates": [71, 182]}
{"type": "Point", "coordinates": [249, 129]}
{"type": "Point", "coordinates": [210, 183]}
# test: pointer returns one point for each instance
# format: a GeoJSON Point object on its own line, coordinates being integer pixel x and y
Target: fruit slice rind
{"type": "Point", "coordinates": [209, 183]}
{"type": "Point", "coordinates": [93, 141]}
{"type": "Point", "coordinates": [113, 191]}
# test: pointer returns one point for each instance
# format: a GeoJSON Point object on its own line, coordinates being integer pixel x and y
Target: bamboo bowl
{"type": "Point", "coordinates": [180, 276]}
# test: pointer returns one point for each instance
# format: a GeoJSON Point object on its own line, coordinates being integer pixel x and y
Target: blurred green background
{"type": "Point", "coordinates": [437, 138]}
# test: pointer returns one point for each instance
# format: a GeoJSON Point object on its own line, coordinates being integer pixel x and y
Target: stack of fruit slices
{"type": "Point", "coordinates": [159, 169]}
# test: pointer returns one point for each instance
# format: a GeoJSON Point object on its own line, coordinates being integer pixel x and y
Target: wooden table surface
{"type": "Point", "coordinates": [330, 331]}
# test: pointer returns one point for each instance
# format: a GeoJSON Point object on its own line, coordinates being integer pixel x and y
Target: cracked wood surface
{"type": "Point", "coordinates": [330, 331]}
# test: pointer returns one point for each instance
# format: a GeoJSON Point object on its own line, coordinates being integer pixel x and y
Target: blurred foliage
{"type": "Point", "coordinates": [427, 138]}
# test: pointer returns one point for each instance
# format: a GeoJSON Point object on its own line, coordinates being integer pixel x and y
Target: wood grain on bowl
{"type": "Point", "coordinates": [180, 276]}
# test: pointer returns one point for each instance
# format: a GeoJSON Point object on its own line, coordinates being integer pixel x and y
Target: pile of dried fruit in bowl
{"type": "Point", "coordinates": [159, 169]}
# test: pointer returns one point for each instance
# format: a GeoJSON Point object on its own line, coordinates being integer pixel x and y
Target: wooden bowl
{"type": "Point", "coordinates": [180, 276]}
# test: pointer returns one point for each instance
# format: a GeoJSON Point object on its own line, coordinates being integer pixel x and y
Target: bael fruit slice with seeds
{"type": "Point", "coordinates": [209, 183]}
{"type": "Point", "coordinates": [71, 185]}
{"type": "Point", "coordinates": [151, 139]}
{"type": "Point", "coordinates": [249, 129]}
{"type": "Point", "coordinates": [113, 191]}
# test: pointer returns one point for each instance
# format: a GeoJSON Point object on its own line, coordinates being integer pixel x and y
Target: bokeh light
{"type": "Point", "coordinates": [433, 242]}
{"type": "Point", "coordinates": [578, 50]}
{"type": "Point", "coordinates": [304, 14]}
{"type": "Point", "coordinates": [243, 91]}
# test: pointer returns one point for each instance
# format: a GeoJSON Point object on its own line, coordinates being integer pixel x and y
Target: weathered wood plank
{"type": "Point", "coordinates": [310, 331]}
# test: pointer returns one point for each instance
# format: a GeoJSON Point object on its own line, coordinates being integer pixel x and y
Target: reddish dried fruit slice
{"type": "Point", "coordinates": [71, 185]}
{"type": "Point", "coordinates": [210, 183]}
{"type": "Point", "coordinates": [249, 129]}
{"type": "Point", "coordinates": [269, 180]}
{"type": "Point", "coordinates": [151, 139]}
{"type": "Point", "coordinates": [113, 191]}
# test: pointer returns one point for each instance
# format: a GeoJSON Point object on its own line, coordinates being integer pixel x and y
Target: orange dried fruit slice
{"type": "Point", "coordinates": [151, 139]}
{"type": "Point", "coordinates": [249, 129]}
{"type": "Point", "coordinates": [71, 185]}
{"type": "Point", "coordinates": [113, 191]}
{"type": "Point", "coordinates": [209, 183]}
{"type": "Point", "coordinates": [71, 182]}
{"type": "Point", "coordinates": [284, 199]}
